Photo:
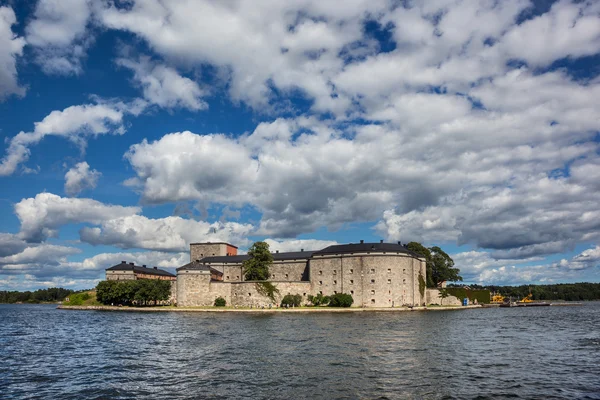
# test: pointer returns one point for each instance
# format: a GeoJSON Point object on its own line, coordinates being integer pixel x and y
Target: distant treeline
{"type": "Point", "coordinates": [50, 295]}
{"type": "Point", "coordinates": [559, 291]}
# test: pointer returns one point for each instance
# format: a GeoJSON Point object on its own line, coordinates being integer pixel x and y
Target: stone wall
{"type": "Point", "coordinates": [120, 275]}
{"type": "Point", "coordinates": [433, 297]}
{"type": "Point", "coordinates": [200, 250]}
{"type": "Point", "coordinates": [245, 294]}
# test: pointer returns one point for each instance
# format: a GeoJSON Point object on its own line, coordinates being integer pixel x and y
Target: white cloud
{"type": "Point", "coordinates": [58, 35]}
{"type": "Point", "coordinates": [41, 216]}
{"type": "Point", "coordinates": [75, 123]}
{"type": "Point", "coordinates": [39, 254]}
{"type": "Point", "coordinates": [165, 234]}
{"type": "Point", "coordinates": [286, 245]}
{"type": "Point", "coordinates": [80, 177]}
{"type": "Point", "coordinates": [164, 86]}
{"type": "Point", "coordinates": [11, 47]}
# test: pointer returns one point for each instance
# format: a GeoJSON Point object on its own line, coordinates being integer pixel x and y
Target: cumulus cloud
{"type": "Point", "coordinates": [163, 86]}
{"type": "Point", "coordinates": [40, 254]}
{"type": "Point", "coordinates": [286, 245]}
{"type": "Point", "coordinates": [80, 177]}
{"type": "Point", "coordinates": [59, 36]}
{"type": "Point", "coordinates": [589, 258]}
{"type": "Point", "coordinates": [42, 215]}
{"type": "Point", "coordinates": [75, 123]}
{"type": "Point", "coordinates": [166, 234]}
{"type": "Point", "coordinates": [11, 47]}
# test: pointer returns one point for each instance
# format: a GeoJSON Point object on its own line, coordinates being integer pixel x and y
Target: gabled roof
{"type": "Point", "coordinates": [296, 255]}
{"type": "Point", "coordinates": [365, 248]}
{"type": "Point", "coordinates": [124, 266]}
{"type": "Point", "coordinates": [197, 266]}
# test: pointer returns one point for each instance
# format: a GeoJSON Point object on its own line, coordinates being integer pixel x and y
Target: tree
{"type": "Point", "coordinates": [439, 265]}
{"type": "Point", "coordinates": [443, 294]}
{"type": "Point", "coordinates": [256, 268]}
{"type": "Point", "coordinates": [341, 300]}
{"type": "Point", "coordinates": [318, 300]}
{"type": "Point", "coordinates": [292, 300]}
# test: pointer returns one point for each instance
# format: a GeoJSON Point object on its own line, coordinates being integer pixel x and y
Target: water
{"type": "Point", "coordinates": [542, 353]}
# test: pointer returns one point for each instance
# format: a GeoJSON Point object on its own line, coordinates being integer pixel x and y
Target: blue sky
{"type": "Point", "coordinates": [131, 129]}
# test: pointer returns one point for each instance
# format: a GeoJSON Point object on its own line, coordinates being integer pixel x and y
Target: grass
{"type": "Point", "coordinates": [82, 299]}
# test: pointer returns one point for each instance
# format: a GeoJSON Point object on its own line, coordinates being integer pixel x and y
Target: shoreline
{"type": "Point", "coordinates": [265, 310]}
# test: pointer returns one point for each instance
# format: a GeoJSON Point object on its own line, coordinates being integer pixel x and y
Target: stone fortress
{"type": "Point", "coordinates": [375, 274]}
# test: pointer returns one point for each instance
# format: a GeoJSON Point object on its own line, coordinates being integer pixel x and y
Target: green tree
{"type": "Point", "coordinates": [291, 300]}
{"type": "Point", "coordinates": [443, 294]}
{"type": "Point", "coordinates": [256, 268]}
{"type": "Point", "coordinates": [220, 302]}
{"type": "Point", "coordinates": [443, 267]}
{"type": "Point", "coordinates": [439, 265]}
{"type": "Point", "coordinates": [341, 300]}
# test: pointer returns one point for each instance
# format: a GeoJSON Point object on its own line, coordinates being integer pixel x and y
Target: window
{"type": "Point", "coordinates": [286, 275]}
{"type": "Point", "coordinates": [404, 280]}
{"type": "Point", "coordinates": [235, 295]}
{"type": "Point", "coordinates": [273, 276]}
{"type": "Point", "coordinates": [249, 294]}
{"type": "Point", "coordinates": [372, 280]}
{"type": "Point", "coordinates": [335, 272]}
{"type": "Point", "coordinates": [372, 301]}
{"type": "Point", "coordinates": [237, 277]}
{"type": "Point", "coordinates": [320, 282]}
{"type": "Point", "coordinates": [320, 272]}
{"type": "Point", "coordinates": [351, 271]}
{"type": "Point", "coordinates": [335, 292]}
{"type": "Point", "coordinates": [303, 294]}
{"type": "Point", "coordinates": [389, 281]}
{"type": "Point", "coordinates": [352, 281]}
{"type": "Point", "coordinates": [335, 282]}
{"type": "Point", "coordinates": [404, 271]}
{"type": "Point", "coordinates": [372, 292]}
{"type": "Point", "coordinates": [389, 270]}
{"type": "Point", "coordinates": [320, 292]}
{"type": "Point", "coordinates": [389, 292]}
{"type": "Point", "coordinates": [227, 277]}
{"type": "Point", "coordinates": [372, 270]}
{"type": "Point", "coordinates": [352, 292]}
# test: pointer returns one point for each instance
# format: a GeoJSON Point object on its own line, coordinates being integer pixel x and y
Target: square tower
{"type": "Point", "coordinates": [199, 251]}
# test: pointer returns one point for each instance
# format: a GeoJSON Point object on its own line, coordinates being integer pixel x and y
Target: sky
{"type": "Point", "coordinates": [134, 128]}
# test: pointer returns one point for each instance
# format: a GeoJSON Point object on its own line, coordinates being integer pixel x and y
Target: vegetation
{"type": "Point", "coordinates": [87, 298]}
{"type": "Point", "coordinates": [318, 300]}
{"type": "Point", "coordinates": [50, 295]}
{"type": "Point", "coordinates": [220, 302]}
{"type": "Point", "coordinates": [291, 300]}
{"type": "Point", "coordinates": [439, 265]}
{"type": "Point", "coordinates": [134, 292]}
{"type": "Point", "coordinates": [341, 300]}
{"type": "Point", "coordinates": [421, 284]}
{"type": "Point", "coordinates": [443, 294]}
{"type": "Point", "coordinates": [560, 291]}
{"type": "Point", "coordinates": [481, 295]}
{"type": "Point", "coordinates": [256, 268]}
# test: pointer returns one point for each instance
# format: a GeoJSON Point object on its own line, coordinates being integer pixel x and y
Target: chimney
{"type": "Point", "coordinates": [276, 251]}
{"type": "Point", "coordinates": [144, 265]}
{"type": "Point", "coordinates": [130, 263]}
{"type": "Point", "coordinates": [381, 241]}
{"type": "Point", "coordinates": [400, 243]}
{"type": "Point", "coordinates": [123, 262]}
{"type": "Point", "coordinates": [155, 267]}
{"type": "Point", "coordinates": [301, 249]}
{"type": "Point", "coordinates": [362, 241]}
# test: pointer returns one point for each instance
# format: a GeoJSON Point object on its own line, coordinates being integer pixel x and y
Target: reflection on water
{"type": "Point", "coordinates": [550, 352]}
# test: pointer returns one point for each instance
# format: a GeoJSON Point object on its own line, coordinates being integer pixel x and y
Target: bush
{"type": "Point", "coordinates": [292, 300]}
{"type": "Point", "coordinates": [318, 300]}
{"type": "Point", "coordinates": [482, 296]}
{"type": "Point", "coordinates": [341, 300]}
{"type": "Point", "coordinates": [220, 302]}
{"type": "Point", "coordinates": [133, 292]}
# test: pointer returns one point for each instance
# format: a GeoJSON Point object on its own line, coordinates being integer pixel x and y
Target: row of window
{"type": "Point", "coordinates": [372, 281]}
{"type": "Point", "coordinates": [351, 271]}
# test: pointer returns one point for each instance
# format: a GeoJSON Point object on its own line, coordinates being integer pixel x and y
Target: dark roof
{"type": "Point", "coordinates": [124, 266]}
{"type": "Point", "coordinates": [365, 248]}
{"type": "Point", "coordinates": [295, 255]}
{"type": "Point", "coordinates": [195, 265]}
{"type": "Point", "coordinates": [228, 244]}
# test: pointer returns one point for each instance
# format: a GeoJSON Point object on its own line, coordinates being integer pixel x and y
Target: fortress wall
{"type": "Point", "coordinates": [244, 294]}
{"type": "Point", "coordinates": [218, 289]}
{"type": "Point", "coordinates": [193, 288]}
{"type": "Point", "coordinates": [433, 297]}
{"type": "Point", "coordinates": [201, 250]}
{"type": "Point", "coordinates": [173, 297]}
{"type": "Point", "coordinates": [289, 271]}
{"type": "Point", "coordinates": [231, 272]}
{"type": "Point", "coordinates": [373, 280]}
{"type": "Point", "coordinates": [120, 275]}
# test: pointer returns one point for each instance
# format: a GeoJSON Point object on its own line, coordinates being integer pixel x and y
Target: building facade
{"type": "Point", "coordinates": [129, 271]}
{"type": "Point", "coordinates": [375, 274]}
